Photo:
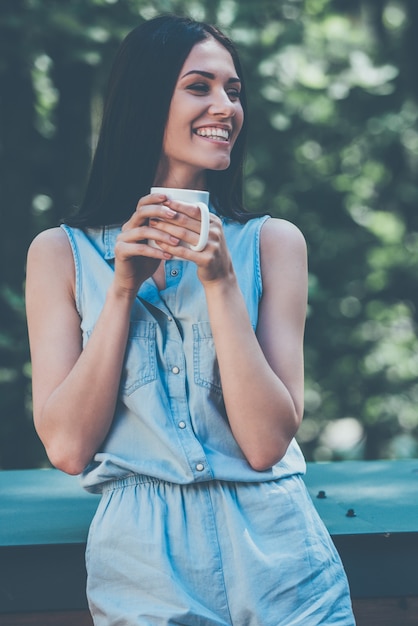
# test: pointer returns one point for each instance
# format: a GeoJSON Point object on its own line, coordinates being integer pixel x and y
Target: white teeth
{"type": "Point", "coordinates": [213, 133]}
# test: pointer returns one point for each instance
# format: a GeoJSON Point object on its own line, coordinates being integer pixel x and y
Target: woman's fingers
{"type": "Point", "coordinates": [185, 224]}
{"type": "Point", "coordinates": [214, 260]}
{"type": "Point", "coordinates": [167, 222]}
{"type": "Point", "coordinates": [142, 234]}
{"type": "Point", "coordinates": [149, 207]}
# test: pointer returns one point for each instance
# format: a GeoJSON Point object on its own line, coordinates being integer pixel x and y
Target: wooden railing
{"type": "Point", "coordinates": [369, 507]}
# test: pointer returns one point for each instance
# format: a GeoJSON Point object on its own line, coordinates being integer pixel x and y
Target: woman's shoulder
{"type": "Point", "coordinates": [50, 248]}
{"type": "Point", "coordinates": [282, 236]}
{"type": "Point", "coordinates": [279, 227]}
{"type": "Point", "coordinates": [284, 262]}
{"type": "Point", "coordinates": [46, 240]}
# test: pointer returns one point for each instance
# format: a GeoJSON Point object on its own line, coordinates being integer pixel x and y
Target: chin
{"type": "Point", "coordinates": [219, 165]}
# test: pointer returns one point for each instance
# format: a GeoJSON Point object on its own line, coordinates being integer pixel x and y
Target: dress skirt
{"type": "Point", "coordinates": [214, 553]}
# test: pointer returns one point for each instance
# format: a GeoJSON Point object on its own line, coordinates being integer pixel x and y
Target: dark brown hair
{"type": "Point", "coordinates": [136, 108]}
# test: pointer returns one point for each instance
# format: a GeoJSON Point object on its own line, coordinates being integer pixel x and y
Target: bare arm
{"type": "Point", "coordinates": [74, 389]}
{"type": "Point", "coordinates": [262, 376]}
{"type": "Point", "coordinates": [261, 373]}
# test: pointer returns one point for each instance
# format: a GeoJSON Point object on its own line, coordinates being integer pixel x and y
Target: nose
{"type": "Point", "coordinates": [221, 105]}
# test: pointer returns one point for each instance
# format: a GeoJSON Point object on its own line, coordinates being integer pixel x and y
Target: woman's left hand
{"type": "Point", "coordinates": [214, 262]}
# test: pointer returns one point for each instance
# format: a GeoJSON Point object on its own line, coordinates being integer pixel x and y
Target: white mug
{"type": "Point", "coordinates": [190, 196]}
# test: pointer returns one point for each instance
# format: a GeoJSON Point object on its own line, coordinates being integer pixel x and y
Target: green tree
{"type": "Point", "coordinates": [333, 147]}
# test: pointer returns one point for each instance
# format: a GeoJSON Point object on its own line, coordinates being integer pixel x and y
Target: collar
{"type": "Point", "coordinates": [110, 234]}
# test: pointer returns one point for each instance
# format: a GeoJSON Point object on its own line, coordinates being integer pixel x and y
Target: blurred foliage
{"type": "Point", "coordinates": [333, 147]}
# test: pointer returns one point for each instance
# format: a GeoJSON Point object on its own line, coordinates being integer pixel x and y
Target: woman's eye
{"type": "Point", "coordinates": [203, 89]}
{"type": "Point", "coordinates": [198, 87]}
{"type": "Point", "coordinates": [234, 94]}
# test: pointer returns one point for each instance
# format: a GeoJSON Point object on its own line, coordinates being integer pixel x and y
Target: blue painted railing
{"type": "Point", "coordinates": [369, 507]}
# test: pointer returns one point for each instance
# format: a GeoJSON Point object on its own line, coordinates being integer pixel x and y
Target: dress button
{"type": "Point", "coordinates": [170, 319]}
{"type": "Point", "coordinates": [174, 272]}
{"type": "Point", "coordinates": [200, 467]}
{"type": "Point", "coordinates": [175, 369]}
{"type": "Point", "coordinates": [182, 424]}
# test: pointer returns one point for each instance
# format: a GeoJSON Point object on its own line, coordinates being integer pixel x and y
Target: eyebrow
{"type": "Point", "coordinates": [211, 76]}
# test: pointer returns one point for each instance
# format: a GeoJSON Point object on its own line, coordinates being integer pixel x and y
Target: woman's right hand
{"type": "Point", "coordinates": [135, 259]}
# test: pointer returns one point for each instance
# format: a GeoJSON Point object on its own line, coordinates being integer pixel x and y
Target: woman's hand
{"type": "Point", "coordinates": [213, 261]}
{"type": "Point", "coordinates": [135, 259]}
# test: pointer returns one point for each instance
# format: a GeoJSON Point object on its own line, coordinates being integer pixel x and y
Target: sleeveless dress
{"type": "Point", "coordinates": [186, 532]}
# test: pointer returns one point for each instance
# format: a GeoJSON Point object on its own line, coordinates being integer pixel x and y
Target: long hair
{"type": "Point", "coordinates": [136, 107]}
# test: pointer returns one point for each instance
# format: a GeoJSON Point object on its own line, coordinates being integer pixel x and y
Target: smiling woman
{"type": "Point", "coordinates": [171, 377]}
{"type": "Point", "coordinates": [205, 118]}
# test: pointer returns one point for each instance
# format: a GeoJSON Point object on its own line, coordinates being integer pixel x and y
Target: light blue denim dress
{"type": "Point", "coordinates": [186, 532]}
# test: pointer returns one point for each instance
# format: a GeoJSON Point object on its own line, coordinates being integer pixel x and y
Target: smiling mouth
{"type": "Point", "coordinates": [219, 134]}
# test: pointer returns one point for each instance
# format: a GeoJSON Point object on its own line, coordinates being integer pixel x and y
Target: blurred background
{"type": "Point", "coordinates": [333, 147]}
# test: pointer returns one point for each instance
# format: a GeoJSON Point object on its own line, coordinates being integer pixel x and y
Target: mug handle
{"type": "Point", "coordinates": [204, 228]}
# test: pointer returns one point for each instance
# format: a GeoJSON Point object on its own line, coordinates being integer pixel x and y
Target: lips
{"type": "Point", "coordinates": [213, 132]}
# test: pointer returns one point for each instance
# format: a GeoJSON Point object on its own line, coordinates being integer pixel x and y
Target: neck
{"type": "Point", "coordinates": [180, 179]}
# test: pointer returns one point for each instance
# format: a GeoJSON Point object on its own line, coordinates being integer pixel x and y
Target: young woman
{"type": "Point", "coordinates": [172, 380]}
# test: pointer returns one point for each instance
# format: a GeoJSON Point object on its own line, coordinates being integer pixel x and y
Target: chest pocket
{"type": "Point", "coordinates": [206, 369]}
{"type": "Point", "coordinates": [140, 363]}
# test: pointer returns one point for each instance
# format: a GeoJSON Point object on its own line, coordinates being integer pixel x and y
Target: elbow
{"type": "Point", "coordinates": [271, 443]}
{"type": "Point", "coordinates": [66, 462]}
{"type": "Point", "coordinates": [264, 462]}
{"type": "Point", "coordinates": [260, 467]}
{"type": "Point", "coordinates": [66, 452]}
{"type": "Point", "coordinates": [266, 454]}
{"type": "Point", "coordinates": [68, 466]}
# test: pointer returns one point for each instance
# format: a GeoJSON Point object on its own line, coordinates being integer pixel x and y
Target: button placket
{"type": "Point", "coordinates": [173, 271]}
{"type": "Point", "coordinates": [175, 363]}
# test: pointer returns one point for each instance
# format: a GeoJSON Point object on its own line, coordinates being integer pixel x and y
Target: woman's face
{"type": "Point", "coordinates": [205, 117]}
